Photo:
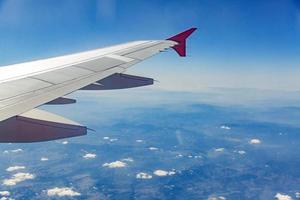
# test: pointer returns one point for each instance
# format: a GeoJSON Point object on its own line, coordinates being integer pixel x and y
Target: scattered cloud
{"type": "Point", "coordinates": [225, 127]}
{"type": "Point", "coordinates": [241, 152]}
{"type": "Point", "coordinates": [89, 156]}
{"type": "Point", "coordinates": [160, 172]}
{"type": "Point", "coordinates": [297, 194]}
{"type": "Point", "coordinates": [115, 164]}
{"type": "Point", "coordinates": [105, 138]}
{"type": "Point", "coordinates": [113, 140]}
{"type": "Point", "coordinates": [17, 150]}
{"type": "Point", "coordinates": [254, 141]}
{"type": "Point", "coordinates": [216, 198]}
{"type": "Point", "coordinates": [44, 159]}
{"type": "Point", "coordinates": [13, 151]}
{"type": "Point", "coordinates": [15, 168]}
{"type": "Point", "coordinates": [61, 192]}
{"type": "Point", "coordinates": [6, 198]}
{"type": "Point", "coordinates": [153, 148]}
{"type": "Point", "coordinates": [4, 193]}
{"type": "Point", "coordinates": [139, 141]}
{"type": "Point", "coordinates": [143, 175]}
{"type": "Point", "coordinates": [127, 160]}
{"type": "Point", "coordinates": [18, 177]}
{"type": "Point", "coordinates": [65, 142]}
{"type": "Point", "coordinates": [219, 149]}
{"type": "Point", "coordinates": [280, 196]}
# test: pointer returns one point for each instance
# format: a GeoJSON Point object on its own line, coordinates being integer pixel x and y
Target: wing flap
{"type": "Point", "coordinates": [38, 125]}
{"type": "Point", "coordinates": [119, 81]}
{"type": "Point", "coordinates": [61, 101]}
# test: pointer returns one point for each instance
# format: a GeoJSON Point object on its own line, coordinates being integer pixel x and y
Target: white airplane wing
{"type": "Point", "coordinates": [25, 86]}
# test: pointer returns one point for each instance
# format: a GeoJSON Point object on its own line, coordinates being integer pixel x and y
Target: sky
{"type": "Point", "coordinates": [239, 44]}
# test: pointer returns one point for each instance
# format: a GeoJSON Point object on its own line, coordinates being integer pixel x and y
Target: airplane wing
{"type": "Point", "coordinates": [25, 86]}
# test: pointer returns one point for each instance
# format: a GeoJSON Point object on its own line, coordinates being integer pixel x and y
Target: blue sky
{"type": "Point", "coordinates": [253, 44]}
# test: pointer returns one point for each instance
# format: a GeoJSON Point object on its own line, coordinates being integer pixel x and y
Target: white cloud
{"type": "Point", "coordinates": [225, 127]}
{"type": "Point", "coordinates": [13, 151]}
{"type": "Point", "coordinates": [18, 177]}
{"type": "Point", "coordinates": [143, 175]}
{"type": "Point", "coordinates": [153, 148]}
{"type": "Point", "coordinates": [219, 150]}
{"type": "Point", "coordinates": [89, 156]}
{"type": "Point", "coordinates": [171, 173]}
{"type": "Point", "coordinates": [113, 140]}
{"type": "Point", "coordinates": [15, 168]}
{"type": "Point", "coordinates": [198, 156]}
{"type": "Point", "coordinates": [283, 197]}
{"type": "Point", "coordinates": [127, 160]}
{"type": "Point", "coordinates": [61, 192]}
{"type": "Point", "coordinates": [115, 164]}
{"type": "Point", "coordinates": [17, 150]}
{"type": "Point", "coordinates": [139, 141]}
{"type": "Point", "coordinates": [297, 194]}
{"type": "Point", "coordinates": [44, 159]}
{"type": "Point", "coordinates": [105, 138]}
{"type": "Point", "coordinates": [4, 193]}
{"type": "Point", "coordinates": [254, 141]}
{"type": "Point", "coordinates": [6, 198]}
{"type": "Point", "coordinates": [65, 142]}
{"type": "Point", "coordinates": [241, 152]}
{"type": "Point", "coordinates": [160, 172]}
{"type": "Point", "coordinates": [216, 198]}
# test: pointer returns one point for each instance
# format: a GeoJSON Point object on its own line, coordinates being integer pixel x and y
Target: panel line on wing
{"type": "Point", "coordinates": [32, 77]}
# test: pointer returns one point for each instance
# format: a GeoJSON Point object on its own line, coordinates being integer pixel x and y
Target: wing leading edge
{"type": "Point", "coordinates": [23, 87]}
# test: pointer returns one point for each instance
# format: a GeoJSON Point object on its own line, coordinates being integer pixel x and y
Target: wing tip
{"type": "Point", "coordinates": [180, 38]}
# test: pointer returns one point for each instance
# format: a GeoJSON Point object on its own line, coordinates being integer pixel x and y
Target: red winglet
{"type": "Point", "coordinates": [180, 48]}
